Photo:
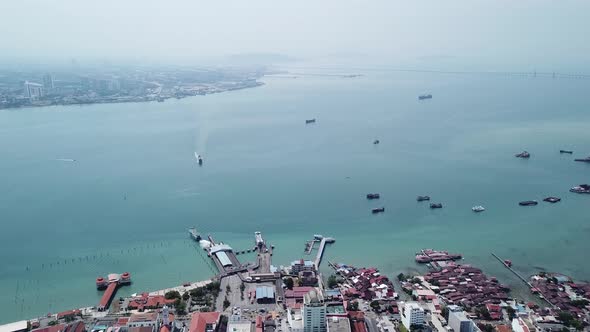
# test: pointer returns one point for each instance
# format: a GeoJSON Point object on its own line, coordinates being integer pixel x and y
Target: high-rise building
{"type": "Point", "coordinates": [33, 90]}
{"type": "Point", "coordinates": [413, 314]}
{"type": "Point", "coordinates": [48, 82]}
{"type": "Point", "coordinates": [459, 322]}
{"type": "Point", "coordinates": [314, 311]}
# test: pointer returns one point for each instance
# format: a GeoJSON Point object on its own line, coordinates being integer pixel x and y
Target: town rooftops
{"type": "Point", "coordinates": [143, 317]}
{"type": "Point", "coordinates": [204, 321]}
{"type": "Point", "coordinates": [265, 292]}
{"type": "Point", "coordinates": [54, 328]}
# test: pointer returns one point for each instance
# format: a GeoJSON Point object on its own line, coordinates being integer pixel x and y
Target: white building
{"type": "Point", "coordinates": [412, 314]}
{"type": "Point", "coordinates": [460, 323]}
{"type": "Point", "coordinates": [33, 90]}
{"type": "Point", "coordinates": [314, 311]}
{"type": "Point", "coordinates": [301, 266]}
{"type": "Point", "coordinates": [295, 320]}
{"type": "Point", "coordinates": [519, 326]}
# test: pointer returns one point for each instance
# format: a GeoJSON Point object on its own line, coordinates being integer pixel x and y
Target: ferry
{"type": "Point", "coordinates": [581, 189]}
{"type": "Point", "coordinates": [422, 97]}
{"type": "Point", "coordinates": [478, 208]}
{"type": "Point", "coordinates": [194, 234]}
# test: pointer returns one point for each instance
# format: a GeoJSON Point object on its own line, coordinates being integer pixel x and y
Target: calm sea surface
{"type": "Point", "coordinates": [125, 202]}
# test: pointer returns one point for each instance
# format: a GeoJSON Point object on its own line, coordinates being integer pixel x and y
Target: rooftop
{"type": "Point", "coordinates": [16, 326]}
{"type": "Point", "coordinates": [200, 320]}
{"type": "Point", "coordinates": [338, 324]}
{"type": "Point", "coordinates": [143, 317]}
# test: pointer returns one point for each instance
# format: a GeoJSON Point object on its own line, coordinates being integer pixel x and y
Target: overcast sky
{"type": "Point", "coordinates": [506, 30]}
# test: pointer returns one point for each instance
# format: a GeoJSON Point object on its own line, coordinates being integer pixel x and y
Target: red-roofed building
{"type": "Point", "coordinates": [495, 311]}
{"type": "Point", "coordinates": [259, 324]}
{"type": "Point", "coordinates": [78, 326]}
{"type": "Point", "coordinates": [145, 301]}
{"type": "Point", "coordinates": [69, 313]}
{"type": "Point", "coordinates": [357, 321]}
{"type": "Point", "coordinates": [204, 321]}
{"type": "Point", "coordinates": [503, 328]}
{"type": "Point", "coordinates": [54, 328]}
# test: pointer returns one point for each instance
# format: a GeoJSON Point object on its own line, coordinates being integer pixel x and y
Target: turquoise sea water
{"type": "Point", "coordinates": [125, 203]}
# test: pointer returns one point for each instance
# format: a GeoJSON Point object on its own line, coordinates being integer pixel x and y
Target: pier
{"type": "Point", "coordinates": [323, 242]}
{"type": "Point", "coordinates": [522, 278]}
{"type": "Point", "coordinates": [112, 284]}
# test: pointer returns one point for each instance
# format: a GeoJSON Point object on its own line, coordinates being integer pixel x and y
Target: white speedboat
{"type": "Point", "coordinates": [478, 208]}
{"type": "Point", "coordinates": [199, 158]}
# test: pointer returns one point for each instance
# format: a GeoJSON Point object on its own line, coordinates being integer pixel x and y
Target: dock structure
{"type": "Point", "coordinates": [323, 242]}
{"type": "Point", "coordinates": [519, 276]}
{"type": "Point", "coordinates": [112, 284]}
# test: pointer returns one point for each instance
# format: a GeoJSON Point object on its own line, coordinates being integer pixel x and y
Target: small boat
{"type": "Point", "coordinates": [436, 206]}
{"type": "Point", "coordinates": [422, 198]}
{"type": "Point", "coordinates": [584, 160]}
{"type": "Point", "coordinates": [373, 196]}
{"type": "Point", "coordinates": [199, 159]}
{"type": "Point", "coordinates": [478, 208]}
{"type": "Point", "coordinates": [581, 189]}
{"type": "Point", "coordinates": [309, 121]}
{"type": "Point", "coordinates": [523, 154]}
{"type": "Point", "coordinates": [508, 263]}
{"type": "Point", "coordinates": [422, 97]}
{"type": "Point", "coordinates": [566, 151]}
{"type": "Point", "coordinates": [378, 210]}
{"type": "Point", "coordinates": [551, 199]}
{"type": "Point", "coordinates": [528, 203]}
{"type": "Point", "coordinates": [376, 141]}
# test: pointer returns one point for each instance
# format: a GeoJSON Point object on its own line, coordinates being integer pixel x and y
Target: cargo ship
{"type": "Point", "coordinates": [584, 160]}
{"type": "Point", "coordinates": [196, 236]}
{"type": "Point", "coordinates": [566, 151]}
{"type": "Point", "coordinates": [430, 255]}
{"type": "Point", "coordinates": [528, 203]}
{"type": "Point", "coordinates": [378, 210]}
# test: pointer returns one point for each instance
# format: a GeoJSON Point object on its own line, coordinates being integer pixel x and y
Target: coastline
{"type": "Point", "coordinates": [130, 99]}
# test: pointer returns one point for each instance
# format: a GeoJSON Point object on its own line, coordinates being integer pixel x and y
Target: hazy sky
{"type": "Point", "coordinates": [506, 30]}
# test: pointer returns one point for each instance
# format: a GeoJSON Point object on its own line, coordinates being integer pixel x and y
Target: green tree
{"type": "Point", "coordinates": [416, 280]}
{"type": "Point", "coordinates": [511, 312]}
{"type": "Point", "coordinates": [401, 277]}
{"type": "Point", "coordinates": [172, 295]}
{"type": "Point", "coordinates": [228, 288]}
{"type": "Point", "coordinates": [198, 292]}
{"type": "Point", "coordinates": [332, 281]}
{"type": "Point", "coordinates": [242, 287]}
{"type": "Point", "coordinates": [289, 283]}
{"type": "Point", "coordinates": [352, 306]}
{"type": "Point", "coordinates": [186, 296]}
{"type": "Point", "coordinates": [180, 307]}
{"type": "Point", "coordinates": [226, 303]}
{"type": "Point", "coordinates": [375, 305]}
{"type": "Point", "coordinates": [445, 312]}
